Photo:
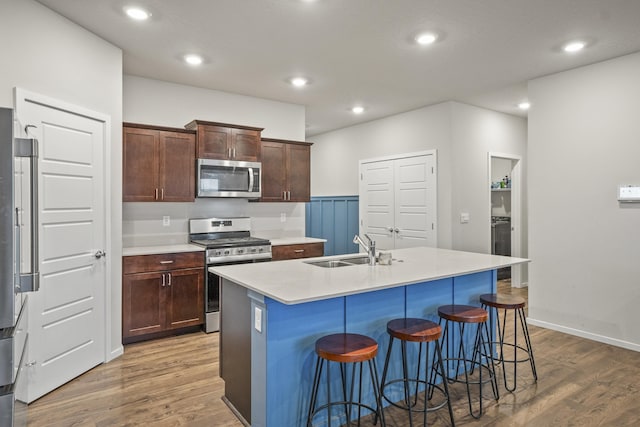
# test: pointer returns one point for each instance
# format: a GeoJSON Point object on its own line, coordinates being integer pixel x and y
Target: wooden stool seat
{"type": "Point", "coordinates": [510, 302]}
{"type": "Point", "coordinates": [414, 330]}
{"type": "Point", "coordinates": [350, 351]}
{"type": "Point", "coordinates": [463, 313]}
{"type": "Point", "coordinates": [346, 348]}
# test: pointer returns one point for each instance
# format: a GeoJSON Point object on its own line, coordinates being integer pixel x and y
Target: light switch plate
{"type": "Point", "coordinates": [166, 221]}
{"type": "Point", "coordinates": [257, 319]}
{"type": "Point", "coordinates": [464, 217]}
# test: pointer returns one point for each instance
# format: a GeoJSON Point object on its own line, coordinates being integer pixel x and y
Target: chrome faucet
{"type": "Point", "coordinates": [370, 248]}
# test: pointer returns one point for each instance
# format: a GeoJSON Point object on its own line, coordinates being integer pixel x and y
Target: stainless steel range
{"type": "Point", "coordinates": [228, 241]}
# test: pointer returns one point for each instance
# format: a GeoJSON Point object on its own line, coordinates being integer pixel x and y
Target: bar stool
{"type": "Point", "coordinates": [346, 349]}
{"type": "Point", "coordinates": [419, 331]}
{"type": "Point", "coordinates": [499, 302]}
{"type": "Point", "coordinates": [463, 315]}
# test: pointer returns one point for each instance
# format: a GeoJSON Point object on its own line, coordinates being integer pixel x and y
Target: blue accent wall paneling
{"type": "Point", "coordinates": [334, 219]}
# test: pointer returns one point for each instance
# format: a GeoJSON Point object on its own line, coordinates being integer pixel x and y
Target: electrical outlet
{"type": "Point", "coordinates": [258, 319]}
{"type": "Point", "coordinates": [283, 217]}
{"type": "Point", "coordinates": [166, 221]}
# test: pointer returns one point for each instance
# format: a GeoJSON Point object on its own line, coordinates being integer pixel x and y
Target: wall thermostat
{"type": "Point", "coordinates": [629, 193]}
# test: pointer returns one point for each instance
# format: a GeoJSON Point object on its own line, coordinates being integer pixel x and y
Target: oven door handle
{"type": "Point", "coordinates": [250, 178]}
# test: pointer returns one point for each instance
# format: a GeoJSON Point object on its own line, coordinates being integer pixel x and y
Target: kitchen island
{"type": "Point", "coordinates": [272, 314]}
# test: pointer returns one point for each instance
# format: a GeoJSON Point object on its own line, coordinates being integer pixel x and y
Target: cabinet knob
{"type": "Point", "coordinates": [99, 254]}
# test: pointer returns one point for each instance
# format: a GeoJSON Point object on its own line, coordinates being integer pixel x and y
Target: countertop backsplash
{"type": "Point", "coordinates": [142, 223]}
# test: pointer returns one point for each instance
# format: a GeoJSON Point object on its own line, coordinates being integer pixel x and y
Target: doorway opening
{"type": "Point", "coordinates": [505, 186]}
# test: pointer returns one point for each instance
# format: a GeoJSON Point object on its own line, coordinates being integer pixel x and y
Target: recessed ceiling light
{"type": "Point", "coordinates": [299, 81]}
{"type": "Point", "coordinates": [193, 59]}
{"type": "Point", "coordinates": [525, 105]}
{"type": "Point", "coordinates": [426, 38]}
{"type": "Point", "coordinates": [358, 109]}
{"type": "Point", "coordinates": [137, 13]}
{"type": "Point", "coordinates": [574, 46]}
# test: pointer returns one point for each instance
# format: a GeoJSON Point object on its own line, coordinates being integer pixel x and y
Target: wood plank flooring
{"type": "Point", "coordinates": [175, 382]}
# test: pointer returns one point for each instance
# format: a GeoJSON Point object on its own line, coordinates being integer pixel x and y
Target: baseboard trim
{"type": "Point", "coordinates": [117, 352]}
{"type": "Point", "coordinates": [584, 334]}
{"type": "Point", "coordinates": [235, 411]}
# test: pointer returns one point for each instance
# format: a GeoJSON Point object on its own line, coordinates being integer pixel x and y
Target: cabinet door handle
{"type": "Point", "coordinates": [156, 196]}
{"type": "Point", "coordinates": [289, 195]}
{"type": "Point", "coordinates": [397, 230]}
{"type": "Point", "coordinates": [234, 152]}
{"type": "Point", "coordinates": [390, 229]}
{"type": "Point", "coordinates": [229, 152]}
{"type": "Point", "coordinates": [169, 274]}
{"type": "Point", "coordinates": [163, 280]}
{"type": "Point", "coordinates": [162, 194]}
{"type": "Point", "coordinates": [298, 251]}
{"type": "Point", "coordinates": [167, 262]}
{"type": "Point", "coordinates": [284, 195]}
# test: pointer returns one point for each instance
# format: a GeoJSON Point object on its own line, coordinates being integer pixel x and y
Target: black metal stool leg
{"type": "Point", "coordinates": [314, 389]}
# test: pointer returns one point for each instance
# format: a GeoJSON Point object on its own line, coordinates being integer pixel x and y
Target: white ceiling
{"type": "Point", "coordinates": [362, 51]}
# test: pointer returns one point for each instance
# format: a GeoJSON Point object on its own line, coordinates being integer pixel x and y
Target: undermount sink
{"type": "Point", "coordinates": [342, 262]}
{"type": "Point", "coordinates": [358, 260]}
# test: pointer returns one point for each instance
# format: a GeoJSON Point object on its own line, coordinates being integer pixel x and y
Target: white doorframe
{"type": "Point", "coordinates": [20, 97]}
{"type": "Point", "coordinates": [516, 211]}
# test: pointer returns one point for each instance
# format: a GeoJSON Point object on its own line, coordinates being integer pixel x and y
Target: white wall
{"type": "Point", "coordinates": [461, 134]}
{"type": "Point", "coordinates": [167, 104]}
{"type": "Point", "coordinates": [584, 141]}
{"type": "Point", "coordinates": [47, 54]}
{"type": "Point", "coordinates": [476, 132]}
{"type": "Point", "coordinates": [335, 155]}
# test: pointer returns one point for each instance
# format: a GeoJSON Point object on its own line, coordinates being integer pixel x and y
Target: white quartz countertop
{"type": "Point", "coordinates": [296, 281]}
{"type": "Point", "coordinates": [161, 249]}
{"type": "Point", "coordinates": [295, 241]}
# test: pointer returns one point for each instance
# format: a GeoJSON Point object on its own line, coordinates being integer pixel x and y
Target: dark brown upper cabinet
{"type": "Point", "coordinates": [158, 164]}
{"type": "Point", "coordinates": [286, 169]}
{"type": "Point", "coordinates": [226, 142]}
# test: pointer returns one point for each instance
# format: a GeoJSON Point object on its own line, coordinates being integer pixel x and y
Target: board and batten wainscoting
{"type": "Point", "coordinates": [334, 218]}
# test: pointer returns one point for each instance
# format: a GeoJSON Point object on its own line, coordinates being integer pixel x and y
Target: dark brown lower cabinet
{"type": "Point", "coordinates": [303, 250]}
{"type": "Point", "coordinates": [163, 300]}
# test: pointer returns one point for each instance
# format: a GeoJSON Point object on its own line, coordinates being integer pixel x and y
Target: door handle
{"type": "Point", "coordinates": [99, 254]}
{"type": "Point", "coordinates": [250, 179]}
{"type": "Point", "coordinates": [28, 147]}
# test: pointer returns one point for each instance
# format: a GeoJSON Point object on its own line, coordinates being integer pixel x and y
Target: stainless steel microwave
{"type": "Point", "coordinates": [229, 178]}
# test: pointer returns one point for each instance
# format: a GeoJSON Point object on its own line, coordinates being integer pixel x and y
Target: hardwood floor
{"type": "Point", "coordinates": [174, 382]}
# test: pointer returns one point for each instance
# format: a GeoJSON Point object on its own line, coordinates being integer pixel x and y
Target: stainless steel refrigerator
{"type": "Point", "coordinates": [18, 265]}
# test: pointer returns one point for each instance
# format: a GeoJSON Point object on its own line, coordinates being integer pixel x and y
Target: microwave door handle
{"type": "Point", "coordinates": [250, 179]}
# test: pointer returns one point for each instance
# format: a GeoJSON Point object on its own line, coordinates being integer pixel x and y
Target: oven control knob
{"type": "Point", "coordinates": [240, 251]}
{"type": "Point", "coordinates": [226, 252]}
{"type": "Point", "coordinates": [260, 249]}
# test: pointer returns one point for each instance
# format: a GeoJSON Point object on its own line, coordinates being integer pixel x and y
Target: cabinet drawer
{"type": "Point", "coordinates": [161, 262]}
{"type": "Point", "coordinates": [305, 250]}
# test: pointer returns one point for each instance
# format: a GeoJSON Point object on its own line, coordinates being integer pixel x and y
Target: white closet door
{"type": "Point", "coordinates": [414, 204]}
{"type": "Point", "coordinates": [377, 203]}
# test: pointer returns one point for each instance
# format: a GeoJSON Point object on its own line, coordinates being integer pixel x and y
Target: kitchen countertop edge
{"type": "Point", "coordinates": [161, 249]}
{"type": "Point", "coordinates": [307, 283]}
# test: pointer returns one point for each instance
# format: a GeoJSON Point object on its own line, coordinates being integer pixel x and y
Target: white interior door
{"type": "Point", "coordinates": [67, 314]}
{"type": "Point", "coordinates": [377, 202]}
{"type": "Point", "coordinates": [414, 204]}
